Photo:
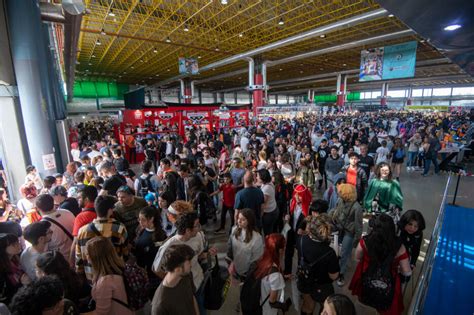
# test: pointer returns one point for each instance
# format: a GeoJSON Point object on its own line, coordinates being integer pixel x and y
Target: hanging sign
{"type": "Point", "coordinates": [165, 116]}
{"type": "Point", "coordinates": [49, 162]}
{"type": "Point", "coordinates": [138, 114]}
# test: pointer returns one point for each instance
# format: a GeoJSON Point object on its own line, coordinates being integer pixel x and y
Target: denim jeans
{"type": "Point", "coordinates": [411, 159]}
{"type": "Point", "coordinates": [200, 300]}
{"type": "Point", "coordinates": [268, 221]}
{"type": "Point", "coordinates": [346, 251]}
{"type": "Point", "coordinates": [428, 159]}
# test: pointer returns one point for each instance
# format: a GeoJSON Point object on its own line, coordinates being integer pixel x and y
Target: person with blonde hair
{"type": "Point", "coordinates": [347, 217]}
{"type": "Point", "coordinates": [318, 264]}
{"type": "Point", "coordinates": [108, 287]}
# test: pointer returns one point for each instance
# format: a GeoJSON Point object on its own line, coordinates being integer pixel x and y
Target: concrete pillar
{"type": "Point", "coordinates": [28, 53]}
{"type": "Point", "coordinates": [409, 96]}
{"type": "Point", "coordinates": [341, 89]}
{"type": "Point", "coordinates": [235, 97]}
{"type": "Point", "coordinates": [200, 96]}
{"type": "Point", "coordinates": [383, 99]}
{"type": "Point", "coordinates": [214, 96]}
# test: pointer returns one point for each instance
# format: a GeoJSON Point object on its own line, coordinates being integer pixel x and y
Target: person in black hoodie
{"type": "Point", "coordinates": [411, 226]}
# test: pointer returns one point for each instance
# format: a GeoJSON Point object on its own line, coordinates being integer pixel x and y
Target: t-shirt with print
{"type": "Point", "coordinates": [382, 154]}
{"type": "Point", "coordinates": [59, 239]}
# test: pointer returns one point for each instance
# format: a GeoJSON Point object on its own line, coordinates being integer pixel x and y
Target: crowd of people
{"type": "Point", "coordinates": [100, 237]}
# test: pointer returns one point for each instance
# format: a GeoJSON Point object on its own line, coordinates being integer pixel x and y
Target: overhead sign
{"type": "Point", "coordinates": [390, 62]}
{"type": "Point", "coordinates": [188, 66]}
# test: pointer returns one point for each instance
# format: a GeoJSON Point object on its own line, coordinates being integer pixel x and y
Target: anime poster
{"type": "Point", "coordinates": [399, 61]}
{"type": "Point", "coordinates": [188, 66]}
{"type": "Point", "coordinates": [371, 64]}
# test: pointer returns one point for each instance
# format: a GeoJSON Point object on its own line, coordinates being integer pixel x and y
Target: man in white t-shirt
{"type": "Point", "coordinates": [381, 155]}
{"type": "Point", "coordinates": [38, 234]}
{"type": "Point", "coordinates": [62, 223]}
{"type": "Point", "coordinates": [187, 232]}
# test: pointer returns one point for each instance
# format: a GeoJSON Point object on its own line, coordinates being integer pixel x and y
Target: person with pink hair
{"type": "Point", "coordinates": [299, 209]}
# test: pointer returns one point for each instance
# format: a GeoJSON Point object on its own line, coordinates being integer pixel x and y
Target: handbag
{"type": "Point", "coordinates": [216, 285]}
{"type": "Point", "coordinates": [317, 176]}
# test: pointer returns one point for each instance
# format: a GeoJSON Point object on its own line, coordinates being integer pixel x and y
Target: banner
{"type": "Point", "coordinates": [390, 62]}
{"type": "Point", "coordinates": [399, 61]}
{"type": "Point", "coordinates": [188, 66]}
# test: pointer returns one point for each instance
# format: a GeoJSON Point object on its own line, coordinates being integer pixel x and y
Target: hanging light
{"type": "Point", "coordinates": [224, 2]}
{"type": "Point", "coordinates": [217, 49]}
{"type": "Point", "coordinates": [186, 29]}
{"type": "Point", "coordinates": [281, 22]}
{"type": "Point", "coordinates": [168, 40]}
{"type": "Point", "coordinates": [155, 50]}
{"type": "Point", "coordinates": [322, 36]}
{"type": "Point", "coordinates": [111, 13]}
{"type": "Point", "coordinates": [241, 35]}
{"type": "Point", "coordinates": [102, 32]}
{"type": "Point", "coordinates": [98, 43]}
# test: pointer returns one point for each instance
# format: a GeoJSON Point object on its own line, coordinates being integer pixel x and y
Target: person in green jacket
{"type": "Point", "coordinates": [383, 191]}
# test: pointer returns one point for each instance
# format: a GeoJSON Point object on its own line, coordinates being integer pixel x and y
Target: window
{"type": "Point", "coordinates": [396, 93]}
{"type": "Point", "coordinates": [442, 92]}
{"type": "Point", "coordinates": [376, 94]}
{"type": "Point", "coordinates": [468, 90]}
{"type": "Point", "coordinates": [427, 92]}
{"type": "Point", "coordinates": [417, 93]}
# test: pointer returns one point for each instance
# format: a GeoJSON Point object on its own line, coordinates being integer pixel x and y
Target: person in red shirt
{"type": "Point", "coordinates": [86, 200]}
{"type": "Point", "coordinates": [228, 200]}
{"type": "Point", "coordinates": [356, 175]}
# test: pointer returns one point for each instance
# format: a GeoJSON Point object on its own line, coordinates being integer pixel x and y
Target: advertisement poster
{"type": "Point", "coordinates": [390, 62]}
{"type": "Point", "coordinates": [49, 162]}
{"type": "Point", "coordinates": [399, 61]}
{"type": "Point", "coordinates": [188, 66]}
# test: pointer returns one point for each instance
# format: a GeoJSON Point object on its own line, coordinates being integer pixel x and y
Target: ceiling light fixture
{"type": "Point", "coordinates": [93, 56]}
{"type": "Point", "coordinates": [168, 40]}
{"type": "Point", "coordinates": [241, 35]}
{"type": "Point", "coordinates": [281, 22]}
{"type": "Point", "coordinates": [157, 75]}
{"type": "Point", "coordinates": [98, 43]}
{"type": "Point", "coordinates": [168, 70]}
{"type": "Point", "coordinates": [199, 57]}
{"type": "Point", "coordinates": [224, 2]}
{"type": "Point", "coordinates": [155, 50]}
{"type": "Point", "coordinates": [452, 27]}
{"type": "Point", "coordinates": [186, 29]}
{"type": "Point", "coordinates": [132, 67]}
{"type": "Point", "coordinates": [322, 35]}
{"type": "Point", "coordinates": [344, 65]}
{"type": "Point", "coordinates": [390, 15]}
{"type": "Point", "coordinates": [90, 64]}
{"type": "Point", "coordinates": [111, 13]}
{"type": "Point", "coordinates": [217, 48]}
{"type": "Point", "coordinates": [102, 32]}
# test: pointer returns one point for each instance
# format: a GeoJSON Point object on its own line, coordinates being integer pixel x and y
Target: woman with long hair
{"type": "Point", "coordinates": [12, 276]}
{"type": "Point", "coordinates": [108, 287]}
{"type": "Point", "coordinates": [245, 245]}
{"type": "Point", "coordinates": [411, 226]}
{"type": "Point", "coordinates": [199, 197]}
{"type": "Point", "coordinates": [381, 246]}
{"type": "Point", "coordinates": [384, 193]}
{"type": "Point", "coordinates": [150, 236]}
{"type": "Point", "coordinates": [53, 263]}
{"type": "Point", "coordinates": [269, 270]}
{"type": "Point", "coordinates": [318, 264]}
{"type": "Point", "coordinates": [398, 156]}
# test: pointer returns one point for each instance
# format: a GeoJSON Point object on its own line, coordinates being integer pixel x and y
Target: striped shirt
{"type": "Point", "coordinates": [109, 228]}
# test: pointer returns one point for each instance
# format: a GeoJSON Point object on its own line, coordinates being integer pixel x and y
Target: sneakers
{"type": "Point", "coordinates": [340, 281]}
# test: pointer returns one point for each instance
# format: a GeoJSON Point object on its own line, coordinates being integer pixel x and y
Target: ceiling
{"type": "Point", "coordinates": [139, 42]}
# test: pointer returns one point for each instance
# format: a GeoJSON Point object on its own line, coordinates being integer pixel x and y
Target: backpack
{"type": "Point", "coordinates": [399, 154]}
{"type": "Point", "coordinates": [145, 186]}
{"type": "Point", "coordinates": [210, 206]}
{"type": "Point", "coordinates": [251, 292]}
{"type": "Point", "coordinates": [305, 273]}
{"type": "Point", "coordinates": [135, 280]}
{"type": "Point", "coordinates": [378, 285]}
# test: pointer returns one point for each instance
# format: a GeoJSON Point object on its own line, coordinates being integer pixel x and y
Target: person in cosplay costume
{"type": "Point", "coordinates": [299, 209]}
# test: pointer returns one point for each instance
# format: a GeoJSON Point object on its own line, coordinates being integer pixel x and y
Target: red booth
{"type": "Point", "coordinates": [175, 119]}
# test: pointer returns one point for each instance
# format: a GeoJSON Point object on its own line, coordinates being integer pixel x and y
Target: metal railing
{"type": "Point", "coordinates": [418, 300]}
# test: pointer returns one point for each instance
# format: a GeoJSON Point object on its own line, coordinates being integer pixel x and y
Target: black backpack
{"type": "Point", "coordinates": [251, 292]}
{"type": "Point", "coordinates": [145, 186]}
{"type": "Point", "coordinates": [378, 285]}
